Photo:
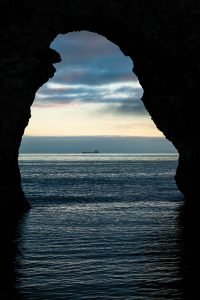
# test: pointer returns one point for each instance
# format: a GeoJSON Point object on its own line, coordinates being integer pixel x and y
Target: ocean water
{"type": "Point", "coordinates": [100, 227]}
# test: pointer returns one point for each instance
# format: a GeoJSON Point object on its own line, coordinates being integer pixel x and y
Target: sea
{"type": "Point", "coordinates": [102, 226]}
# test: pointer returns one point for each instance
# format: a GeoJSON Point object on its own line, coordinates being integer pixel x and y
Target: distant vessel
{"type": "Point", "coordinates": [95, 151]}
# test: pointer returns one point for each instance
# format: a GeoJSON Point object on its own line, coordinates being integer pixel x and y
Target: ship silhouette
{"type": "Point", "coordinates": [95, 151]}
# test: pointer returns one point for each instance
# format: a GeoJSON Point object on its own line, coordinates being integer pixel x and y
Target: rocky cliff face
{"type": "Point", "coordinates": [161, 37]}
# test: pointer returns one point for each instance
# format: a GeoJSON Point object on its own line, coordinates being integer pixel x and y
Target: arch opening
{"type": "Point", "coordinates": [150, 34]}
{"type": "Point", "coordinates": [166, 62]}
{"type": "Point", "coordinates": [93, 91]}
{"type": "Point", "coordinates": [92, 102]}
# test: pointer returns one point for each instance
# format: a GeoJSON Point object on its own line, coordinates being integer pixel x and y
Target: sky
{"type": "Point", "coordinates": [94, 93]}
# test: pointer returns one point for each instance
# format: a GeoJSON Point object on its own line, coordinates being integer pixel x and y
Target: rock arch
{"type": "Point", "coordinates": [162, 39]}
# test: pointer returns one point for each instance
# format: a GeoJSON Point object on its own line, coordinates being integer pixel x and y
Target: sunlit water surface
{"type": "Point", "coordinates": [100, 227]}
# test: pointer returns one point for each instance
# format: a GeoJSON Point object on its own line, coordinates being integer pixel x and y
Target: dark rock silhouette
{"type": "Point", "coordinates": [188, 227]}
{"type": "Point", "coordinates": [161, 37]}
{"type": "Point", "coordinates": [10, 233]}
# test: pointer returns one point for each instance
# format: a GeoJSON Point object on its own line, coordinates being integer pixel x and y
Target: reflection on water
{"type": "Point", "coordinates": [10, 230]}
{"type": "Point", "coordinates": [156, 289]}
{"type": "Point", "coordinates": [103, 228]}
{"type": "Point", "coordinates": [183, 283]}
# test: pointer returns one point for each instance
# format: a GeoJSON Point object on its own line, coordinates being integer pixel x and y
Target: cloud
{"type": "Point", "coordinates": [93, 70]}
{"type": "Point", "coordinates": [110, 93]}
{"type": "Point", "coordinates": [98, 75]}
{"type": "Point", "coordinates": [105, 144]}
{"type": "Point", "coordinates": [127, 108]}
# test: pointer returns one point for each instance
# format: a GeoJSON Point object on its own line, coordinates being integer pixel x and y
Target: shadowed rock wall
{"type": "Point", "coordinates": [162, 38]}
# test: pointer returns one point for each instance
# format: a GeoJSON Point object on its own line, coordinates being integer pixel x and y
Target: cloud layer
{"type": "Point", "coordinates": [93, 70]}
{"type": "Point", "coordinates": [105, 144]}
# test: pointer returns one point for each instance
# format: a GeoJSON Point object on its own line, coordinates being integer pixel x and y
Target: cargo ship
{"type": "Point", "coordinates": [94, 152]}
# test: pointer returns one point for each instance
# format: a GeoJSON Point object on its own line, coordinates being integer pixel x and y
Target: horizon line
{"type": "Point", "coordinates": [91, 136]}
{"type": "Point", "coordinates": [104, 153]}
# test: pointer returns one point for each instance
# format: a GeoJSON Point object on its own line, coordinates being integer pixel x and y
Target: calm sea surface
{"type": "Point", "coordinates": [101, 227]}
